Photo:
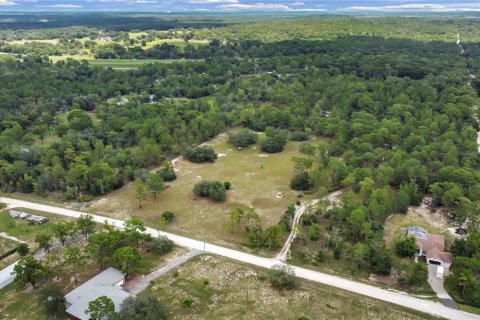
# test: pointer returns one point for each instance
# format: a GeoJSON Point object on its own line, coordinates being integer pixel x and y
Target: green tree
{"type": "Point", "coordinates": [102, 308]}
{"type": "Point", "coordinates": [86, 225]}
{"type": "Point", "coordinates": [143, 307]}
{"type": "Point", "coordinates": [466, 279]}
{"type": "Point", "coordinates": [75, 257]}
{"type": "Point", "coordinates": [134, 229]}
{"type": "Point", "coordinates": [61, 230]}
{"type": "Point", "coordinates": [44, 241]}
{"type": "Point", "coordinates": [28, 270]}
{"type": "Point", "coordinates": [406, 247]}
{"type": "Point", "coordinates": [140, 193]}
{"type": "Point", "coordinates": [101, 246]}
{"type": "Point", "coordinates": [155, 184]}
{"type": "Point", "coordinates": [356, 221]}
{"type": "Point", "coordinates": [53, 301]}
{"type": "Point", "coordinates": [127, 259]}
{"type": "Point", "coordinates": [23, 249]}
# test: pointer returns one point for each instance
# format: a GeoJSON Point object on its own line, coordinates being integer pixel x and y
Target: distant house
{"type": "Point", "coordinates": [108, 283]}
{"type": "Point", "coordinates": [431, 247]}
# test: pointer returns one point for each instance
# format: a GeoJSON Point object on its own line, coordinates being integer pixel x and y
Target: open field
{"type": "Point", "coordinates": [21, 42]}
{"type": "Point", "coordinates": [257, 179]}
{"type": "Point", "coordinates": [223, 289]}
{"type": "Point", "coordinates": [115, 63]}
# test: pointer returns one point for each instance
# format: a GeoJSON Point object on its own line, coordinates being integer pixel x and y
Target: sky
{"type": "Point", "coordinates": [242, 5]}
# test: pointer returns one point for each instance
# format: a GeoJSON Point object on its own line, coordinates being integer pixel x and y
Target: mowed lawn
{"type": "Point", "coordinates": [224, 289]}
{"type": "Point", "coordinates": [258, 180]}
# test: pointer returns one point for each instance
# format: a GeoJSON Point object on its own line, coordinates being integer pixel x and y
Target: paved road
{"type": "Point", "coordinates": [136, 286]}
{"type": "Point", "coordinates": [426, 306]}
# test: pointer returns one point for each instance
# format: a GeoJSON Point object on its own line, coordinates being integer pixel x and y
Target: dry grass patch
{"type": "Point", "coordinates": [256, 180]}
{"type": "Point", "coordinates": [224, 289]}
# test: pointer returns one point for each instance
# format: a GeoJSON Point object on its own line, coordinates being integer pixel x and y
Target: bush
{"type": "Point", "coordinates": [162, 245]}
{"type": "Point", "coordinates": [201, 154]}
{"type": "Point", "coordinates": [168, 216]}
{"type": "Point", "coordinates": [187, 302]}
{"type": "Point", "coordinates": [282, 277]}
{"type": "Point", "coordinates": [301, 182]}
{"type": "Point", "coordinates": [314, 232]}
{"type": "Point", "coordinates": [227, 185]}
{"type": "Point", "coordinates": [22, 249]}
{"type": "Point", "coordinates": [242, 138]}
{"type": "Point", "coordinates": [214, 190]}
{"type": "Point", "coordinates": [381, 262]}
{"type": "Point", "coordinates": [299, 136]}
{"type": "Point", "coordinates": [275, 141]}
{"type": "Point", "coordinates": [406, 247]}
{"type": "Point", "coordinates": [168, 175]}
{"type": "Point", "coordinates": [145, 306]}
{"type": "Point", "coordinates": [53, 301]}
{"type": "Point", "coordinates": [417, 275]}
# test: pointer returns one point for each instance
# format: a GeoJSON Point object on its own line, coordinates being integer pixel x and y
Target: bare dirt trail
{"type": "Point", "coordinates": [426, 306]}
{"type": "Point", "coordinates": [283, 254]}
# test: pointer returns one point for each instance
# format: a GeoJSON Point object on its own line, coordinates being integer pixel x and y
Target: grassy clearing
{"type": "Point", "coordinates": [256, 179]}
{"type": "Point", "coordinates": [223, 289]}
{"type": "Point", "coordinates": [115, 63]}
{"type": "Point", "coordinates": [397, 224]}
{"type": "Point", "coordinates": [21, 42]}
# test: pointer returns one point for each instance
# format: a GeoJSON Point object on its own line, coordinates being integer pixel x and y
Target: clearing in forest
{"type": "Point", "coordinates": [258, 180]}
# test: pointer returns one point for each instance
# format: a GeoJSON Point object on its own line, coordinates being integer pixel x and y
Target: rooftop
{"type": "Point", "coordinates": [106, 283]}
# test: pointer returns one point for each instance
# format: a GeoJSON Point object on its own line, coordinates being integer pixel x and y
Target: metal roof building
{"type": "Point", "coordinates": [108, 283]}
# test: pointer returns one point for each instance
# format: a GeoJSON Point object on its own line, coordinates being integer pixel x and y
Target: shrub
{"type": "Point", "coordinates": [22, 249]}
{"type": "Point", "coordinates": [275, 140]}
{"type": "Point", "coordinates": [227, 185]}
{"type": "Point", "coordinates": [145, 306]}
{"type": "Point", "coordinates": [299, 136]}
{"type": "Point", "coordinates": [201, 154]}
{"type": "Point", "coordinates": [214, 190]}
{"type": "Point", "coordinates": [53, 301]}
{"type": "Point", "coordinates": [187, 302]}
{"type": "Point", "coordinates": [168, 216]}
{"type": "Point", "coordinates": [406, 247]}
{"type": "Point", "coordinates": [301, 182]}
{"type": "Point", "coordinates": [282, 277]}
{"type": "Point", "coordinates": [381, 262]}
{"type": "Point", "coordinates": [162, 245]}
{"type": "Point", "coordinates": [314, 232]}
{"type": "Point", "coordinates": [242, 138]}
{"type": "Point", "coordinates": [167, 174]}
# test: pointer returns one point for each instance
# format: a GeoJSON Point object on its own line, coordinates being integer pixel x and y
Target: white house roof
{"type": "Point", "coordinates": [103, 284]}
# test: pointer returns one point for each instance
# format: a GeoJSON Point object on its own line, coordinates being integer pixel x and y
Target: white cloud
{"type": "Point", "coordinates": [255, 6]}
{"type": "Point", "coordinates": [474, 6]}
{"type": "Point", "coordinates": [7, 3]}
{"type": "Point", "coordinates": [298, 3]}
{"type": "Point", "coordinates": [66, 6]}
{"type": "Point", "coordinates": [211, 1]}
